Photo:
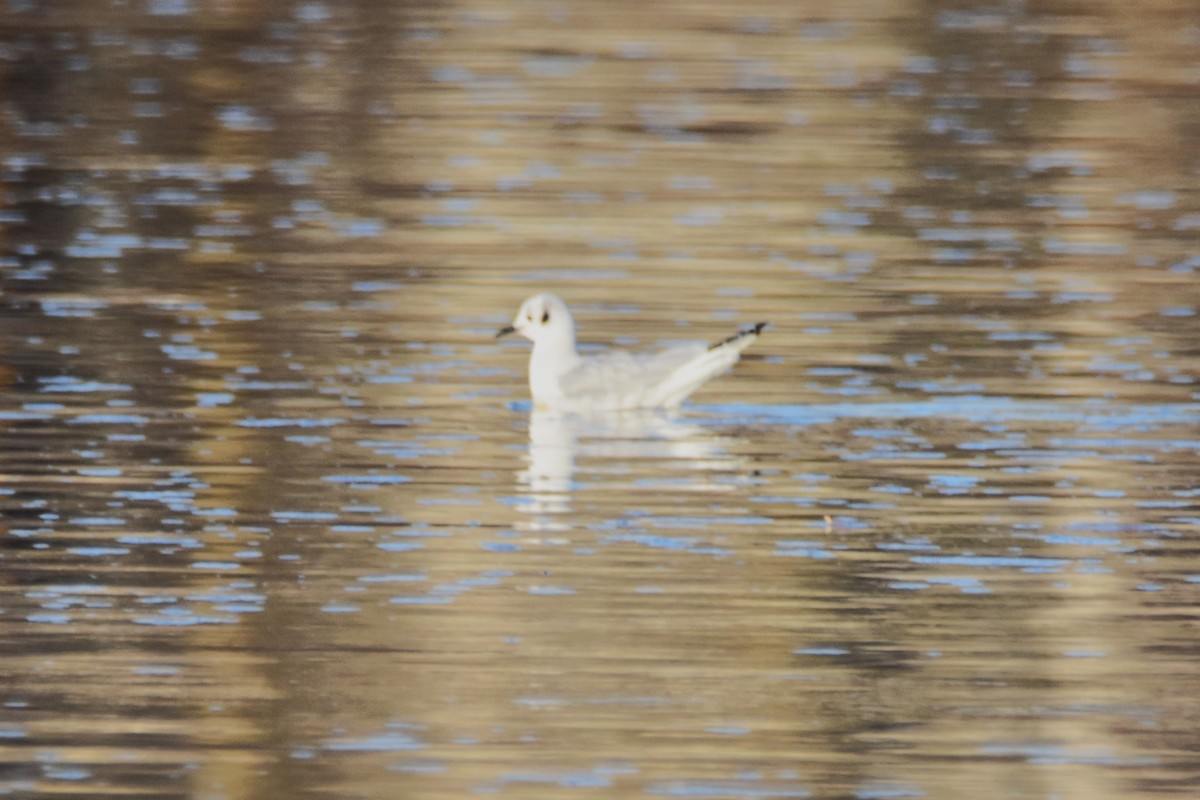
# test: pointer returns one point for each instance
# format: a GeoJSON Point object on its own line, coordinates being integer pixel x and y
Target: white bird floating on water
{"type": "Point", "coordinates": [562, 380]}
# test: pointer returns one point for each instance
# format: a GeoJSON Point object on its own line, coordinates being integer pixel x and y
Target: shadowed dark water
{"type": "Point", "coordinates": [278, 520]}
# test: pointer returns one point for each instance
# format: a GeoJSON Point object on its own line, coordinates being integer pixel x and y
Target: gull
{"type": "Point", "coordinates": [560, 379]}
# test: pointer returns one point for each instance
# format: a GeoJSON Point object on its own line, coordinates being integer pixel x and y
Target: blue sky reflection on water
{"type": "Point", "coordinates": [279, 520]}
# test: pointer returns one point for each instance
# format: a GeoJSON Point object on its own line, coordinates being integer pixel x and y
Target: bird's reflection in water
{"type": "Point", "coordinates": [619, 448]}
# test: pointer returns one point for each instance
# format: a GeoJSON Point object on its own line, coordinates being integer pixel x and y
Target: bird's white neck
{"type": "Point", "coordinates": [551, 359]}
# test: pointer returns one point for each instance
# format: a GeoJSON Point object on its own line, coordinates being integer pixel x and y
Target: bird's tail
{"type": "Point", "coordinates": [741, 339]}
{"type": "Point", "coordinates": [691, 375]}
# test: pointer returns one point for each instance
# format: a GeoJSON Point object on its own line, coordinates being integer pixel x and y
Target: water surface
{"type": "Point", "coordinates": [279, 522]}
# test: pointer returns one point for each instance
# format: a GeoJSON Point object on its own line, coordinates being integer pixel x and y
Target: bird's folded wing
{"type": "Point", "coordinates": [619, 372]}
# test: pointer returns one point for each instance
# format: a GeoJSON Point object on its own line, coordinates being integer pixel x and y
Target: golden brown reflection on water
{"type": "Point", "coordinates": [278, 521]}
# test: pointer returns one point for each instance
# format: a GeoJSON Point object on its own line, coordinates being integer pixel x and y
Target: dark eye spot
{"type": "Point", "coordinates": [545, 317]}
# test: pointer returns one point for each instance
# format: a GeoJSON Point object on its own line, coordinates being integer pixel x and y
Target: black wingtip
{"type": "Point", "coordinates": [753, 330]}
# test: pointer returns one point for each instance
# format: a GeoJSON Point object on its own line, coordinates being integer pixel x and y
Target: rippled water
{"type": "Point", "coordinates": [279, 521]}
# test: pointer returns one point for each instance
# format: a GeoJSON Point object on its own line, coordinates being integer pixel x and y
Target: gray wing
{"type": "Point", "coordinates": [631, 376]}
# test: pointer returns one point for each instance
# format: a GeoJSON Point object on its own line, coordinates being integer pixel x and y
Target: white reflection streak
{"type": "Point", "coordinates": [557, 439]}
{"type": "Point", "coordinates": [553, 439]}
